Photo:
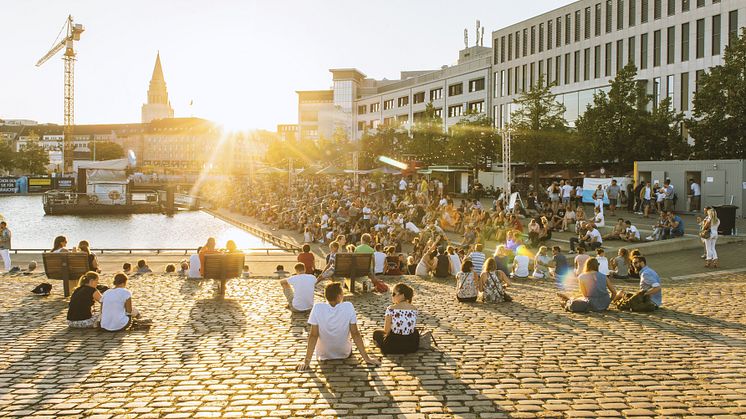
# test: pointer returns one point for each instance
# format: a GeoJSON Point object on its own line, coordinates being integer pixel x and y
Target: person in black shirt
{"type": "Point", "coordinates": [443, 264]}
{"type": "Point", "coordinates": [79, 312]}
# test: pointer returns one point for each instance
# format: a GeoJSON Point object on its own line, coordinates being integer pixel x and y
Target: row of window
{"type": "Point", "coordinates": [456, 89]}
{"type": "Point", "coordinates": [577, 68]}
{"type": "Point", "coordinates": [453, 111]}
{"type": "Point", "coordinates": [525, 42]}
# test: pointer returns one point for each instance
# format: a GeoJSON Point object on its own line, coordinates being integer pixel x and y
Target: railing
{"type": "Point", "coordinates": [267, 237]}
{"type": "Point", "coordinates": [167, 250]}
{"type": "Point", "coordinates": [57, 197]}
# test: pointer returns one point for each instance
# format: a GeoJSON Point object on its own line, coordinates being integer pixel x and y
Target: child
{"type": "Point", "coordinates": [281, 272]}
{"type": "Point", "coordinates": [246, 273]}
{"type": "Point", "coordinates": [126, 267]}
{"type": "Point", "coordinates": [603, 263]}
{"type": "Point", "coordinates": [328, 271]}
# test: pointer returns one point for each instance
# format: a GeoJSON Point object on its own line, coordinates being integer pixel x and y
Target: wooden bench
{"type": "Point", "coordinates": [349, 266]}
{"type": "Point", "coordinates": [222, 267]}
{"type": "Point", "coordinates": [67, 267]}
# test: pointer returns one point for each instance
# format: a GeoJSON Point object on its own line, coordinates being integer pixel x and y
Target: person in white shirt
{"type": "Point", "coordinates": [603, 262]}
{"type": "Point", "coordinates": [566, 193]}
{"type": "Point", "coordinates": [332, 324]}
{"type": "Point", "coordinates": [299, 288]}
{"type": "Point", "coordinates": [194, 265]}
{"type": "Point", "coordinates": [117, 312]}
{"type": "Point", "coordinates": [598, 218]}
{"type": "Point", "coordinates": [520, 266]}
{"type": "Point", "coordinates": [695, 195]}
{"type": "Point", "coordinates": [402, 185]}
{"type": "Point", "coordinates": [632, 234]}
{"type": "Point", "coordinates": [379, 259]}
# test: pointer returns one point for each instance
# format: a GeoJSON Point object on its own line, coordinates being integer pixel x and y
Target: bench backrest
{"type": "Point", "coordinates": [57, 265]}
{"type": "Point", "coordinates": [223, 265]}
{"type": "Point", "coordinates": [352, 264]}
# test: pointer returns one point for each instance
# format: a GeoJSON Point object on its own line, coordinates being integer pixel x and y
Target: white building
{"type": "Point", "coordinates": [583, 45]}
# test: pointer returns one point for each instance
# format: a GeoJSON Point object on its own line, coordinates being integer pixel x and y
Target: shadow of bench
{"type": "Point", "coordinates": [222, 267]}
{"type": "Point", "coordinates": [349, 266]}
{"type": "Point", "coordinates": [67, 267]}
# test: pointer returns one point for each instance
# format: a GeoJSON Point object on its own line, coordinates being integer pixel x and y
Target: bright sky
{"type": "Point", "coordinates": [239, 61]}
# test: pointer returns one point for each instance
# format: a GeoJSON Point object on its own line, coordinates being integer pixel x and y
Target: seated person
{"type": "Point", "coordinates": [442, 264]}
{"type": "Point", "coordinates": [299, 289]}
{"type": "Point", "coordinates": [399, 334]}
{"type": "Point", "coordinates": [117, 312]}
{"type": "Point", "coordinates": [79, 313]}
{"type": "Point", "coordinates": [467, 283]}
{"type": "Point", "coordinates": [281, 272]}
{"type": "Point", "coordinates": [598, 217]}
{"type": "Point", "coordinates": [569, 219]}
{"type": "Point", "coordinates": [331, 259]}
{"type": "Point", "coordinates": [603, 262]}
{"type": "Point", "coordinates": [379, 259]}
{"type": "Point", "coordinates": [142, 267]}
{"type": "Point", "coordinates": [246, 273]}
{"type": "Point", "coordinates": [658, 228]}
{"type": "Point", "coordinates": [308, 259]}
{"type": "Point", "coordinates": [195, 265]}
{"type": "Point", "coordinates": [592, 286]}
{"type": "Point", "coordinates": [170, 268]}
{"type": "Point", "coordinates": [559, 265]}
{"type": "Point", "coordinates": [332, 324]}
{"type": "Point", "coordinates": [493, 282]}
{"type": "Point", "coordinates": [183, 268]}
{"type": "Point", "coordinates": [617, 232]}
{"type": "Point", "coordinates": [631, 233]}
{"type": "Point", "coordinates": [521, 264]}
{"type": "Point", "coordinates": [675, 226]}
{"type": "Point", "coordinates": [231, 247]}
{"type": "Point", "coordinates": [650, 282]}
{"type": "Point", "coordinates": [127, 268]}
{"type": "Point", "coordinates": [619, 266]}
{"type": "Point", "coordinates": [580, 259]}
{"type": "Point", "coordinates": [541, 263]}
{"type": "Point", "coordinates": [591, 239]}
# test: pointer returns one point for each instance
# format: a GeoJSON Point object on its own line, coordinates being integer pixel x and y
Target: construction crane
{"type": "Point", "coordinates": [72, 33]}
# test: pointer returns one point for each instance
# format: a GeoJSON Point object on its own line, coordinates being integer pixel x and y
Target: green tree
{"type": "Point", "coordinates": [473, 141]}
{"type": "Point", "coordinates": [539, 128]}
{"type": "Point", "coordinates": [32, 160]}
{"type": "Point", "coordinates": [385, 141]}
{"type": "Point", "coordinates": [617, 127]}
{"type": "Point", "coordinates": [107, 150]}
{"type": "Point", "coordinates": [6, 156]}
{"type": "Point", "coordinates": [429, 142]}
{"type": "Point", "coordinates": [719, 115]}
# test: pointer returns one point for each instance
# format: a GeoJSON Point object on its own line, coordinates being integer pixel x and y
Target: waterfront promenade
{"type": "Point", "coordinates": [236, 358]}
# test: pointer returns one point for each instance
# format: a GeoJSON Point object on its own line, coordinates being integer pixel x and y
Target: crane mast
{"type": "Point", "coordinates": [72, 34]}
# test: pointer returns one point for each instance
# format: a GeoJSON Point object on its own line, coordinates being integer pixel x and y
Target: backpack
{"type": "Point", "coordinates": [637, 302]}
{"type": "Point", "coordinates": [42, 289]}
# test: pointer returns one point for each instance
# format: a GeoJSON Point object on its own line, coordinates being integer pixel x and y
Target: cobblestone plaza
{"type": "Point", "coordinates": [237, 357]}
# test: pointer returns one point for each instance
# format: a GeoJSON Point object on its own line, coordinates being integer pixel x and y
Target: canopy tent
{"type": "Point", "coordinates": [386, 170]}
{"type": "Point", "coordinates": [269, 170]}
{"type": "Point", "coordinates": [116, 164]}
{"type": "Point", "coordinates": [330, 170]}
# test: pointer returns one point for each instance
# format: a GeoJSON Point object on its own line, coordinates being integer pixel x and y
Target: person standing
{"type": "Point", "coordinates": [598, 198]}
{"type": "Point", "coordinates": [613, 192]}
{"type": "Point", "coordinates": [5, 236]}
{"type": "Point", "coordinates": [631, 199]}
{"type": "Point", "coordinates": [695, 194]}
{"type": "Point", "coordinates": [668, 195]}
{"type": "Point", "coordinates": [710, 234]}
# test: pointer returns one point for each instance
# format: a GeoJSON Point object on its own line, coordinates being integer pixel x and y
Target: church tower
{"type": "Point", "coordinates": [158, 106]}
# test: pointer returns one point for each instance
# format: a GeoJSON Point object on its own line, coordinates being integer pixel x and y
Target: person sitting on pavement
{"type": "Point", "coordinates": [299, 289]}
{"type": "Point", "coordinates": [675, 227]}
{"type": "Point", "coordinates": [59, 245]}
{"type": "Point", "coordinates": [650, 282]}
{"type": "Point", "coordinates": [603, 262]}
{"type": "Point", "coordinates": [559, 265]}
{"type": "Point", "coordinates": [593, 287]}
{"type": "Point", "coordinates": [580, 259]}
{"type": "Point", "coordinates": [170, 268]}
{"type": "Point", "coordinates": [117, 311]}
{"type": "Point", "coordinates": [494, 282]}
{"type": "Point", "coordinates": [591, 239]}
{"type": "Point", "coordinates": [79, 313]}
{"type": "Point", "coordinates": [477, 257]}
{"type": "Point", "coordinates": [127, 268]}
{"type": "Point", "coordinates": [542, 262]}
{"type": "Point", "coordinates": [207, 249]}
{"type": "Point", "coordinates": [281, 272]}
{"type": "Point", "coordinates": [521, 264]}
{"type": "Point", "coordinates": [467, 283]}
{"type": "Point", "coordinates": [308, 259]}
{"type": "Point", "coordinates": [142, 267]}
{"type": "Point", "coordinates": [195, 266]}
{"type": "Point", "coordinates": [443, 266]}
{"type": "Point", "coordinates": [619, 266]}
{"type": "Point", "coordinates": [631, 233]}
{"type": "Point", "coordinates": [332, 324]}
{"type": "Point", "coordinates": [617, 232]}
{"type": "Point", "coordinates": [183, 268]}
{"type": "Point", "coordinates": [455, 260]}
{"type": "Point", "coordinates": [428, 263]}
{"type": "Point", "coordinates": [399, 334]}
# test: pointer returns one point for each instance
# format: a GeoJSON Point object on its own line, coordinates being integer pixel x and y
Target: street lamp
{"type": "Point", "coordinates": [506, 133]}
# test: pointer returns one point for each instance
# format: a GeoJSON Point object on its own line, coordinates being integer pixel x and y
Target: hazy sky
{"type": "Point", "coordinates": [239, 61]}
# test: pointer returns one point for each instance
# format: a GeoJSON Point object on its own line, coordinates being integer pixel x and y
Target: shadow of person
{"type": "Point", "coordinates": [190, 287]}
{"type": "Point", "coordinates": [210, 331]}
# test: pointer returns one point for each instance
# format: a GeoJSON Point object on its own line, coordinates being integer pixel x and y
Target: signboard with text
{"type": "Point", "coordinates": [7, 184]}
{"type": "Point", "coordinates": [39, 183]}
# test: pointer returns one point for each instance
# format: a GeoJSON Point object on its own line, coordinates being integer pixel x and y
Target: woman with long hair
{"type": "Point", "coordinates": [399, 334]}
{"type": "Point", "coordinates": [710, 234]}
{"type": "Point", "coordinates": [59, 245]}
{"type": "Point", "coordinates": [85, 247]}
{"type": "Point", "coordinates": [79, 311]}
{"type": "Point", "coordinates": [467, 283]}
{"type": "Point", "coordinates": [494, 282]}
{"type": "Point", "coordinates": [593, 287]}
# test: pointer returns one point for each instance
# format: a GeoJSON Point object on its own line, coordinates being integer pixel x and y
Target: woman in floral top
{"type": "Point", "coordinates": [494, 283]}
{"type": "Point", "coordinates": [467, 283]}
{"type": "Point", "coordinates": [399, 334]}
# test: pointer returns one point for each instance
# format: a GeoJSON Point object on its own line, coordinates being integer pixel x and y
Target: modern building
{"type": "Point", "coordinates": [288, 132]}
{"type": "Point", "coordinates": [158, 106]}
{"type": "Point", "coordinates": [315, 114]}
{"type": "Point", "coordinates": [581, 47]}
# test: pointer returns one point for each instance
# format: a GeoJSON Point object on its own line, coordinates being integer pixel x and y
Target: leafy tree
{"type": "Point", "coordinates": [617, 127]}
{"type": "Point", "coordinates": [473, 141]}
{"type": "Point", "coordinates": [6, 156]}
{"type": "Point", "coordinates": [386, 141]}
{"type": "Point", "coordinates": [32, 160]}
{"type": "Point", "coordinates": [107, 150]}
{"type": "Point", "coordinates": [719, 122]}
{"type": "Point", "coordinates": [539, 128]}
{"type": "Point", "coordinates": [428, 142]}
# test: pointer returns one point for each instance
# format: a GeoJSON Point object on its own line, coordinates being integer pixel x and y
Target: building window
{"type": "Point", "coordinates": [670, 89]}
{"type": "Point", "coordinates": [510, 46]}
{"type": "Point", "coordinates": [502, 83]}
{"type": "Point", "coordinates": [644, 10]}
{"type": "Point", "coordinates": [559, 32]}
{"type": "Point", "coordinates": [567, 68]}
{"type": "Point", "coordinates": [476, 107]}
{"type": "Point", "coordinates": [619, 15]}
{"type": "Point", "coordinates": [671, 9]}
{"type": "Point", "coordinates": [402, 101]}
{"type": "Point", "coordinates": [700, 3]}
{"type": "Point", "coordinates": [619, 54]}
{"type": "Point", "coordinates": [533, 39]}
{"type": "Point", "coordinates": [388, 121]}
{"type": "Point", "coordinates": [716, 35]}
{"type": "Point", "coordinates": [509, 85]}
{"type": "Point", "coordinates": [531, 77]}
{"type": "Point", "coordinates": [455, 89]}
{"type": "Point", "coordinates": [436, 94]}
{"type": "Point", "coordinates": [518, 44]}
{"type": "Point", "coordinates": [438, 113]}
{"type": "Point", "coordinates": [568, 25]}
{"type": "Point", "coordinates": [685, 42]}
{"type": "Point", "coordinates": [587, 23]}
{"type": "Point", "coordinates": [541, 72]}
{"type": "Point", "coordinates": [656, 92]}
{"type": "Point", "coordinates": [732, 26]}
{"type": "Point", "coordinates": [632, 15]}
{"type": "Point", "coordinates": [502, 49]}
{"type": "Point", "coordinates": [700, 38]}
{"type": "Point", "coordinates": [549, 35]}
{"type": "Point", "coordinates": [597, 61]}
{"type": "Point", "coordinates": [698, 78]}
{"type": "Point", "coordinates": [643, 51]}
{"type": "Point", "coordinates": [388, 104]}
{"type": "Point", "coordinates": [456, 110]}
{"type": "Point", "coordinates": [597, 15]}
{"type": "Point", "coordinates": [557, 70]}
{"type": "Point", "coordinates": [576, 67]}
{"type": "Point", "coordinates": [684, 92]}
{"type": "Point", "coordinates": [631, 50]}
{"type": "Point", "coordinates": [577, 26]}
{"type": "Point", "coordinates": [418, 97]}
{"type": "Point", "coordinates": [670, 44]}
{"type": "Point", "coordinates": [362, 109]}
{"type": "Point", "coordinates": [608, 16]}
{"type": "Point", "coordinates": [607, 59]}
{"type": "Point", "coordinates": [541, 37]}
{"type": "Point", "coordinates": [684, 5]}
{"type": "Point", "coordinates": [476, 85]}
{"type": "Point", "coordinates": [375, 107]}
{"type": "Point", "coordinates": [656, 48]}
{"type": "Point", "coordinates": [523, 78]}
{"type": "Point", "coordinates": [360, 125]}
{"type": "Point", "coordinates": [525, 42]}
{"type": "Point", "coordinates": [657, 9]}
{"type": "Point", "coordinates": [517, 80]}
{"type": "Point", "coordinates": [587, 64]}
{"type": "Point", "coordinates": [550, 80]}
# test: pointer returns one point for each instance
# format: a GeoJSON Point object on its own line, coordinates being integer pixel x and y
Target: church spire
{"type": "Point", "coordinates": [157, 70]}
{"type": "Point", "coordinates": [158, 106]}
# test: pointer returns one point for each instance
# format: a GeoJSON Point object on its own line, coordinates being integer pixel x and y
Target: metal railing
{"type": "Point", "coordinates": [165, 250]}
{"type": "Point", "coordinates": [265, 236]}
{"type": "Point", "coordinates": [57, 197]}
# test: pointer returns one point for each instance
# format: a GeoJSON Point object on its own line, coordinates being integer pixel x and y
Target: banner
{"type": "Point", "coordinates": [39, 184]}
{"type": "Point", "coordinates": [64, 183]}
{"type": "Point", "coordinates": [590, 184]}
{"type": "Point", "coordinates": [7, 184]}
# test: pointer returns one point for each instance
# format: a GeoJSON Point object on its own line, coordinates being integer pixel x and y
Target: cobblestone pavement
{"type": "Point", "coordinates": [236, 358]}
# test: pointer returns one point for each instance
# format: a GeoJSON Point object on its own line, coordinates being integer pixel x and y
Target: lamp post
{"type": "Point", "coordinates": [506, 133]}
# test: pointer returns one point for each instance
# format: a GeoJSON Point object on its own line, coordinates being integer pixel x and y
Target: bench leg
{"type": "Point", "coordinates": [221, 288]}
{"type": "Point", "coordinates": [68, 286]}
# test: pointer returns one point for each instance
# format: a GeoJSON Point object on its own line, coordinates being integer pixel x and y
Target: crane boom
{"type": "Point", "coordinates": [51, 52]}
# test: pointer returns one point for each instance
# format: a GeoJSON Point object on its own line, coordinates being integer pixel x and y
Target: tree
{"type": "Point", "coordinates": [32, 160]}
{"type": "Point", "coordinates": [617, 127]}
{"type": "Point", "coordinates": [539, 128]}
{"type": "Point", "coordinates": [107, 150]}
{"type": "Point", "coordinates": [473, 141]}
{"type": "Point", "coordinates": [6, 156]}
{"type": "Point", "coordinates": [385, 141]}
{"type": "Point", "coordinates": [719, 115]}
{"type": "Point", "coordinates": [429, 142]}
